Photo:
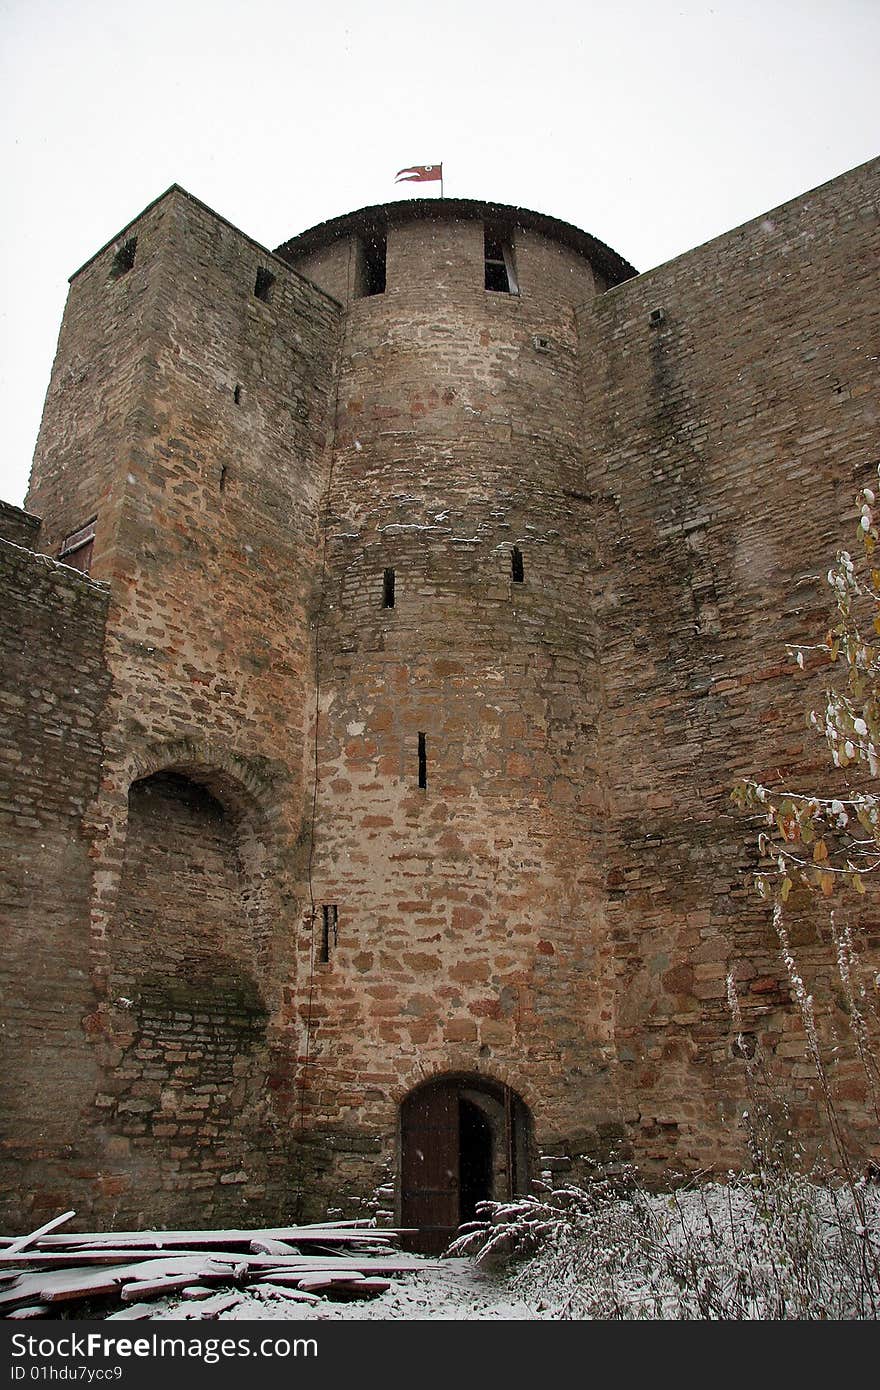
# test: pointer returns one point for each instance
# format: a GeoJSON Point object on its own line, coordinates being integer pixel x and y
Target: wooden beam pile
{"type": "Point", "coordinates": [45, 1275]}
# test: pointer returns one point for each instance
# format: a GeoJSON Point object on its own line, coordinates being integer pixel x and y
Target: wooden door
{"type": "Point", "coordinates": [429, 1167]}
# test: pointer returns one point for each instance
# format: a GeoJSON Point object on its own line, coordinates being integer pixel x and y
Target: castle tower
{"type": "Point", "coordinates": [457, 873]}
{"type": "Point", "coordinates": [435, 575]}
{"type": "Point", "coordinates": [184, 442]}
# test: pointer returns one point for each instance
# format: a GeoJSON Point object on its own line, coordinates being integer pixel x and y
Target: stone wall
{"type": "Point", "coordinates": [211, 546]}
{"type": "Point", "coordinates": [52, 707]}
{"type": "Point", "coordinates": [441, 626]}
{"type": "Point", "coordinates": [726, 437]}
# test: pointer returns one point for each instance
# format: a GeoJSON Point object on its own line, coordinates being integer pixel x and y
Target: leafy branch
{"type": "Point", "coordinates": [816, 841]}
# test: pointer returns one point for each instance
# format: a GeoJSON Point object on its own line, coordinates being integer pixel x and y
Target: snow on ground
{"type": "Point", "coordinates": [448, 1290]}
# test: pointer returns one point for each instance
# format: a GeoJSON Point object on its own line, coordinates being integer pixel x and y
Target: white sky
{"type": "Point", "coordinates": [652, 124]}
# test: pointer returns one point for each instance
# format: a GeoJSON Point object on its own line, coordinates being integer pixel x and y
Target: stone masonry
{"type": "Point", "coordinates": [440, 572]}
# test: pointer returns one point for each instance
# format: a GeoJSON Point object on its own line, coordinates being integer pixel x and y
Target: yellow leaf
{"type": "Point", "coordinates": [827, 884]}
{"type": "Point", "coordinates": [857, 884]}
{"type": "Point", "coordinates": [820, 851]}
{"type": "Point", "coordinates": [785, 889]}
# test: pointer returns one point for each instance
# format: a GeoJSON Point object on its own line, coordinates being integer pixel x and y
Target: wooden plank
{"type": "Point", "coordinates": [24, 1290]}
{"type": "Point", "coordinates": [83, 1281]}
{"type": "Point", "coordinates": [132, 1314]}
{"type": "Point", "coordinates": [324, 1233]}
{"type": "Point", "coordinates": [31, 1310]}
{"type": "Point", "coordinates": [218, 1305]}
{"type": "Point", "coordinates": [57, 1259]}
{"type": "Point", "coordinates": [154, 1288]}
{"type": "Point", "coordinates": [311, 1283]}
{"type": "Point", "coordinates": [86, 1283]}
{"type": "Point", "coordinates": [373, 1264]}
{"type": "Point", "coordinates": [283, 1291]}
{"type": "Point", "coordinates": [23, 1241]}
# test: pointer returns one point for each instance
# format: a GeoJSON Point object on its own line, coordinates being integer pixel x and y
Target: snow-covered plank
{"type": "Point", "coordinates": [21, 1242]}
{"type": "Point", "coordinates": [85, 1283]}
{"type": "Point", "coordinates": [31, 1310]}
{"type": "Point", "coordinates": [373, 1264]}
{"type": "Point", "coordinates": [57, 1259]}
{"type": "Point", "coordinates": [269, 1288]}
{"type": "Point", "coordinates": [215, 1306]}
{"type": "Point", "coordinates": [311, 1283]}
{"type": "Point", "coordinates": [134, 1313]}
{"type": "Point", "coordinates": [154, 1288]}
{"type": "Point", "coordinates": [325, 1233]}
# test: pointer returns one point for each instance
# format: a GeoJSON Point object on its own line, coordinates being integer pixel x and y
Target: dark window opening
{"type": "Point", "coordinates": [423, 761]}
{"type": "Point", "coordinates": [76, 548]}
{"type": "Point", "coordinates": [500, 274]}
{"type": "Point", "coordinates": [388, 589]}
{"type": "Point", "coordinates": [371, 264]}
{"type": "Point", "coordinates": [329, 931]}
{"type": "Point", "coordinates": [124, 258]}
{"type": "Point", "coordinates": [236, 395]}
{"type": "Point", "coordinates": [263, 284]}
{"type": "Point", "coordinates": [517, 572]}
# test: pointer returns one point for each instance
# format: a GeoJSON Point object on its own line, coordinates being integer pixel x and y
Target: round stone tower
{"type": "Point", "coordinates": [458, 933]}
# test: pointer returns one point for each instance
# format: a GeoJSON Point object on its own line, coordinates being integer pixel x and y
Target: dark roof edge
{"type": "Point", "coordinates": [177, 188]}
{"type": "Point", "coordinates": [614, 268]}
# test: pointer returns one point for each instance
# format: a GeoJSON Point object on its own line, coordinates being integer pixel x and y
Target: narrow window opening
{"type": "Point", "coordinates": [263, 284]}
{"type": "Point", "coordinates": [388, 589]}
{"type": "Point", "coordinates": [517, 572]}
{"type": "Point", "coordinates": [236, 395]}
{"type": "Point", "coordinates": [423, 761]}
{"type": "Point", "coordinates": [329, 931]}
{"type": "Point", "coordinates": [499, 269]}
{"type": "Point", "coordinates": [371, 268]}
{"type": "Point", "coordinates": [223, 471]}
{"type": "Point", "coordinates": [124, 258]}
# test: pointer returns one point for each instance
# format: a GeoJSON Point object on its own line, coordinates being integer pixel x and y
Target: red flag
{"type": "Point", "coordinates": [420, 173]}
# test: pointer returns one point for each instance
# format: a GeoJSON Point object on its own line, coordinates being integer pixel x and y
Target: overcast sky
{"type": "Point", "coordinates": [652, 124]}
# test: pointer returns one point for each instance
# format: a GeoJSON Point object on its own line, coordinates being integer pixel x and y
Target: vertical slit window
{"type": "Point", "coordinates": [371, 264]}
{"type": "Point", "coordinates": [423, 761]}
{"type": "Point", "coordinates": [263, 284]}
{"type": "Point", "coordinates": [329, 931]}
{"type": "Point", "coordinates": [517, 573]}
{"type": "Point", "coordinates": [500, 274]}
{"type": "Point", "coordinates": [388, 589]}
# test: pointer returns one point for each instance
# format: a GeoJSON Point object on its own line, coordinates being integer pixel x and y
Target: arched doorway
{"type": "Point", "coordinates": [463, 1140]}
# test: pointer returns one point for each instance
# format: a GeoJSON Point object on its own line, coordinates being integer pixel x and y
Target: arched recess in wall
{"type": "Point", "coordinates": [188, 964]}
{"type": "Point", "coordinates": [463, 1139]}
